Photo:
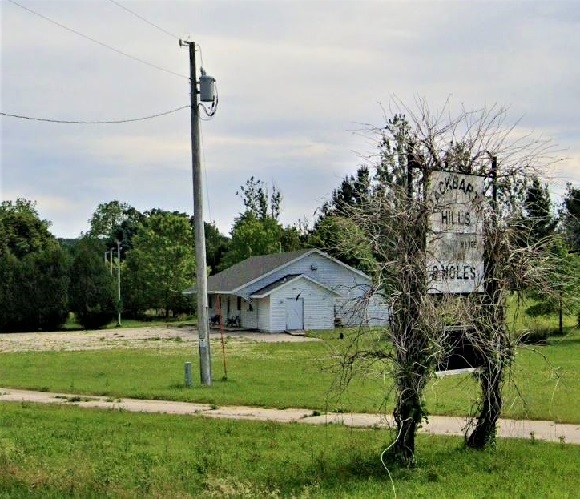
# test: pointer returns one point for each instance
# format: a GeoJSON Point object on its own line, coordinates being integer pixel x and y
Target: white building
{"type": "Point", "coordinates": [301, 290]}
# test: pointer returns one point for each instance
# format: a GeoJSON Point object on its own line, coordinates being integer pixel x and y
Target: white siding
{"type": "Point", "coordinates": [318, 305]}
{"type": "Point", "coordinates": [270, 314]}
{"type": "Point", "coordinates": [249, 318]}
{"type": "Point", "coordinates": [263, 310]}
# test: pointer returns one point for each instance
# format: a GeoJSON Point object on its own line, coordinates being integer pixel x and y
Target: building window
{"type": "Point", "coordinates": [239, 303]}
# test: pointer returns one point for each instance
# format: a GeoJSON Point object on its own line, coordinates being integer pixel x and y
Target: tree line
{"type": "Point", "coordinates": [42, 278]}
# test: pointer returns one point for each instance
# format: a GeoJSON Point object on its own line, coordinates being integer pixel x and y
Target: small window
{"type": "Point", "coordinates": [239, 303]}
{"type": "Point", "coordinates": [209, 301]}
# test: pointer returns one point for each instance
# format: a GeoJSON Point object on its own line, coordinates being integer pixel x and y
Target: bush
{"type": "Point", "coordinates": [535, 337]}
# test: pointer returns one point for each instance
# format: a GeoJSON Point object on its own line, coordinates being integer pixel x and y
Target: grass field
{"type": "Point", "coordinates": [545, 385]}
{"type": "Point", "coordinates": [64, 451]}
{"type": "Point", "coordinates": [50, 452]}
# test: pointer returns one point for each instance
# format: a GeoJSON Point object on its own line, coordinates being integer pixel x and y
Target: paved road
{"type": "Point", "coordinates": [541, 430]}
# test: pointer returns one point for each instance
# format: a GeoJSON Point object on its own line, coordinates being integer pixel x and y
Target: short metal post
{"type": "Point", "coordinates": [188, 375]}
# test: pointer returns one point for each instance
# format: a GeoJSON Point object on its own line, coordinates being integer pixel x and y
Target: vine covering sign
{"type": "Point", "coordinates": [455, 241]}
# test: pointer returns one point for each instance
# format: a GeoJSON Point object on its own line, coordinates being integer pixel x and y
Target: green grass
{"type": "Point", "coordinates": [546, 383]}
{"type": "Point", "coordinates": [50, 452]}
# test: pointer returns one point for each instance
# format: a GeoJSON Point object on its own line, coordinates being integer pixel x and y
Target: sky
{"type": "Point", "coordinates": [297, 82]}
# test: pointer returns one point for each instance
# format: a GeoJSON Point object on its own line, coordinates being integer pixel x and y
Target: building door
{"type": "Point", "coordinates": [294, 314]}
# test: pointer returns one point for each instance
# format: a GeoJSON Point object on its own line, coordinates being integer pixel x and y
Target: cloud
{"type": "Point", "coordinates": [294, 79]}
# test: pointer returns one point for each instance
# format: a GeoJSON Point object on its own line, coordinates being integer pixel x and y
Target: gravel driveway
{"type": "Point", "coordinates": [142, 337]}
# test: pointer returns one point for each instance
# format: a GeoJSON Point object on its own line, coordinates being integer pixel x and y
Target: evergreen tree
{"type": "Point", "coordinates": [570, 216]}
{"type": "Point", "coordinates": [538, 221]}
{"type": "Point", "coordinates": [92, 290]}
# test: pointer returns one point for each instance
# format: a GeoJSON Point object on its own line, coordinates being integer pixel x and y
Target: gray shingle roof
{"type": "Point", "coordinates": [249, 270]}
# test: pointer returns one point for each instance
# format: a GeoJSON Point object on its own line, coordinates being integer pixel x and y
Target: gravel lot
{"type": "Point", "coordinates": [144, 337]}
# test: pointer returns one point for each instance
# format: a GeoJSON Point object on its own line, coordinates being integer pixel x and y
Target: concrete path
{"type": "Point", "coordinates": [541, 430]}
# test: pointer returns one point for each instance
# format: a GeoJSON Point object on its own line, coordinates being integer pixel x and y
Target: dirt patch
{"type": "Point", "coordinates": [144, 337]}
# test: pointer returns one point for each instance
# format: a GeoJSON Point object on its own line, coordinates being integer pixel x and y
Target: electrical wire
{"type": "Point", "coordinates": [144, 20]}
{"type": "Point", "coordinates": [102, 44]}
{"type": "Point", "coordinates": [213, 109]}
{"type": "Point", "coordinates": [109, 122]}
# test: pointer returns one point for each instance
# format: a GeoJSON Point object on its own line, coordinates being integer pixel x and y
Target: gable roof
{"type": "Point", "coordinates": [244, 273]}
{"type": "Point", "coordinates": [286, 280]}
{"type": "Point", "coordinates": [249, 270]}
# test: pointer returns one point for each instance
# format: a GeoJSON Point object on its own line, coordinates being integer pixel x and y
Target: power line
{"type": "Point", "coordinates": [110, 122]}
{"type": "Point", "coordinates": [143, 19]}
{"type": "Point", "coordinates": [102, 44]}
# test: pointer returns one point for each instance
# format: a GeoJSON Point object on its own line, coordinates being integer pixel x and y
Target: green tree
{"type": "Point", "coordinates": [538, 221]}
{"type": "Point", "coordinates": [22, 231]}
{"type": "Point", "coordinates": [116, 221]}
{"type": "Point", "coordinates": [335, 233]}
{"type": "Point", "coordinates": [92, 290]}
{"type": "Point", "coordinates": [45, 281]}
{"type": "Point", "coordinates": [216, 246]}
{"type": "Point", "coordinates": [9, 292]}
{"type": "Point", "coordinates": [345, 240]}
{"type": "Point", "coordinates": [253, 236]}
{"type": "Point", "coordinates": [257, 230]}
{"type": "Point", "coordinates": [33, 271]}
{"type": "Point", "coordinates": [354, 190]}
{"type": "Point", "coordinates": [258, 201]}
{"type": "Point", "coordinates": [161, 265]}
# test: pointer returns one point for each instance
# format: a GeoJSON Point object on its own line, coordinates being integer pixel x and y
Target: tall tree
{"type": "Point", "coordinates": [258, 201]}
{"type": "Point", "coordinates": [161, 264]}
{"type": "Point", "coordinates": [253, 236]}
{"type": "Point", "coordinates": [115, 221]}
{"type": "Point", "coordinates": [353, 191]}
{"type": "Point", "coordinates": [257, 230]}
{"type": "Point", "coordinates": [344, 239]}
{"type": "Point", "coordinates": [538, 220]}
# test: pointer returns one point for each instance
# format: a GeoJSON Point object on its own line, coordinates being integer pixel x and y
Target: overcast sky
{"type": "Point", "coordinates": [295, 79]}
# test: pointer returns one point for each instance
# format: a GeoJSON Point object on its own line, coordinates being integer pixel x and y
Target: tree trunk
{"type": "Point", "coordinates": [408, 414]}
{"type": "Point", "coordinates": [485, 431]}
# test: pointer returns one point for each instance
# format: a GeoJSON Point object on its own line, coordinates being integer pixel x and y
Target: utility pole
{"type": "Point", "coordinates": [200, 255]}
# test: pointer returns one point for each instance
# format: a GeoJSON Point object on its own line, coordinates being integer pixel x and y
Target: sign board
{"type": "Point", "coordinates": [455, 243]}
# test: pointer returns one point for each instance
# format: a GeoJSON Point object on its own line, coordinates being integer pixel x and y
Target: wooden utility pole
{"type": "Point", "coordinates": [200, 255]}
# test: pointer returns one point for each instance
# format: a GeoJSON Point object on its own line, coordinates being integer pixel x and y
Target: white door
{"type": "Point", "coordinates": [294, 314]}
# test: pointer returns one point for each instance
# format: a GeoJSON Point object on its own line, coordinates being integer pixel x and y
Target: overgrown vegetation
{"type": "Point", "coordinates": [414, 233]}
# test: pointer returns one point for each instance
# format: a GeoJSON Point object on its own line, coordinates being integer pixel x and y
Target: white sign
{"type": "Point", "coordinates": [455, 244]}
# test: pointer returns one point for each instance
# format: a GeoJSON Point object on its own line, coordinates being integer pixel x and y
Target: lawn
{"type": "Point", "coordinates": [57, 451]}
{"type": "Point", "coordinates": [545, 384]}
